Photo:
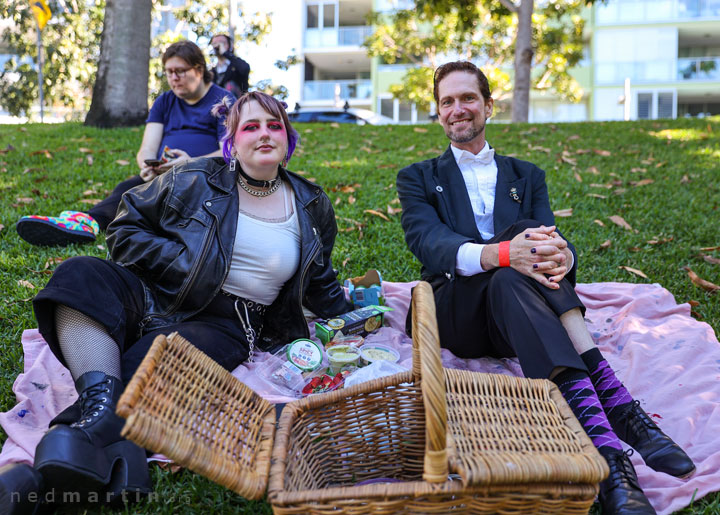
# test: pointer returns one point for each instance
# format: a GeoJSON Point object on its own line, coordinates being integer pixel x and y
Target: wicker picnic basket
{"type": "Point", "coordinates": [429, 440]}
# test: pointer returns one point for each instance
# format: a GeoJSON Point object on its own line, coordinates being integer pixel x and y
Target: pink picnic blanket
{"type": "Point", "coordinates": [667, 359]}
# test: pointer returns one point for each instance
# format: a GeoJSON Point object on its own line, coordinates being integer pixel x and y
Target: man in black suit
{"type": "Point", "coordinates": [504, 276]}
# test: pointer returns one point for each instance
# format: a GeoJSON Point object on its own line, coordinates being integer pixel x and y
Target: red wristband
{"type": "Point", "coordinates": [504, 253]}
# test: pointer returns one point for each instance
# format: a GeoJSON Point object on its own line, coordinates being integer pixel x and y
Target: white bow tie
{"type": "Point", "coordinates": [485, 157]}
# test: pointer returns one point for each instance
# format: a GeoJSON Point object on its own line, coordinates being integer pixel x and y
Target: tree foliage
{"type": "Point", "coordinates": [482, 31]}
{"type": "Point", "coordinates": [71, 44]}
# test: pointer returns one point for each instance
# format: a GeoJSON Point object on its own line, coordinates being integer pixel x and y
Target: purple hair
{"type": "Point", "coordinates": [270, 104]}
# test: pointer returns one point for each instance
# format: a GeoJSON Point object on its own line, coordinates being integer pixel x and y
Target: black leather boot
{"type": "Point", "coordinates": [89, 455]}
{"type": "Point", "coordinates": [21, 489]}
{"type": "Point", "coordinates": [620, 493]}
{"type": "Point", "coordinates": [660, 453]}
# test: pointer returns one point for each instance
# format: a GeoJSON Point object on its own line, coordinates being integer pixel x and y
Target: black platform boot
{"type": "Point", "coordinates": [21, 489]}
{"type": "Point", "coordinates": [660, 453]}
{"type": "Point", "coordinates": [89, 456]}
{"type": "Point", "coordinates": [620, 492]}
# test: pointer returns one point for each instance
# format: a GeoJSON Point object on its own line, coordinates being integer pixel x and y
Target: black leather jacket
{"type": "Point", "coordinates": [176, 233]}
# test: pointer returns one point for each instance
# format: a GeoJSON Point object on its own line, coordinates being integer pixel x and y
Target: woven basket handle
{"type": "Point", "coordinates": [427, 368]}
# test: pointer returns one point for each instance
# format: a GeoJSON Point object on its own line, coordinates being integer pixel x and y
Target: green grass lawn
{"type": "Point", "coordinates": [661, 177]}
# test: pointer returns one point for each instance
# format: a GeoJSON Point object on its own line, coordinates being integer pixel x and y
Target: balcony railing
{"type": "Point", "coordinates": [332, 37]}
{"type": "Point", "coordinates": [698, 68]}
{"type": "Point", "coordinates": [649, 11]}
{"type": "Point", "coordinates": [342, 89]}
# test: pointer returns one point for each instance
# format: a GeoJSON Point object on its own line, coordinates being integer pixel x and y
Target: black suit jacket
{"type": "Point", "coordinates": [437, 216]}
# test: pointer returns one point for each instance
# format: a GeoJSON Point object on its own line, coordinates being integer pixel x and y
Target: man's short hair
{"type": "Point", "coordinates": [228, 39]}
{"type": "Point", "coordinates": [191, 54]}
{"type": "Point", "coordinates": [460, 66]}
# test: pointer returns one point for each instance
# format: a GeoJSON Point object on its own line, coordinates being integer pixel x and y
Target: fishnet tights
{"type": "Point", "coordinates": [85, 344]}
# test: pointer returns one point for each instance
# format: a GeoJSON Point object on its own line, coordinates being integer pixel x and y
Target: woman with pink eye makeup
{"type": "Point", "coordinates": [226, 251]}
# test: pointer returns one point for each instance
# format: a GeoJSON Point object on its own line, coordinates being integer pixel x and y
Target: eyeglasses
{"type": "Point", "coordinates": [178, 72]}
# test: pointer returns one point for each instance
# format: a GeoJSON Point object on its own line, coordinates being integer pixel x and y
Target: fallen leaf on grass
{"type": "Point", "coordinates": [173, 467]}
{"type": "Point", "coordinates": [44, 152]}
{"type": "Point", "coordinates": [599, 222]}
{"type": "Point", "coordinates": [2, 227]}
{"type": "Point", "coordinates": [634, 271]}
{"type": "Point", "coordinates": [312, 179]}
{"type": "Point", "coordinates": [25, 200]}
{"type": "Point", "coordinates": [91, 201]}
{"type": "Point", "coordinates": [122, 162]}
{"type": "Point", "coordinates": [26, 284]}
{"type": "Point", "coordinates": [568, 160]}
{"type": "Point", "coordinates": [710, 259]}
{"type": "Point", "coordinates": [685, 179]}
{"type": "Point", "coordinates": [577, 177]}
{"type": "Point", "coordinates": [345, 262]}
{"type": "Point", "coordinates": [410, 148]}
{"type": "Point", "coordinates": [657, 241]}
{"type": "Point", "coordinates": [85, 150]}
{"type": "Point", "coordinates": [89, 160]}
{"type": "Point", "coordinates": [574, 137]}
{"type": "Point", "coordinates": [347, 189]}
{"type": "Point", "coordinates": [643, 182]}
{"type": "Point", "coordinates": [365, 149]}
{"type": "Point", "coordinates": [393, 210]}
{"type": "Point", "coordinates": [53, 261]}
{"type": "Point", "coordinates": [658, 165]}
{"type": "Point", "coordinates": [702, 283]}
{"type": "Point", "coordinates": [710, 249]}
{"type": "Point", "coordinates": [595, 195]}
{"type": "Point", "coordinates": [351, 199]}
{"type": "Point", "coordinates": [593, 170]}
{"type": "Point", "coordinates": [376, 213]}
{"type": "Point", "coordinates": [634, 249]}
{"type": "Point", "coordinates": [619, 220]}
{"type": "Point", "coordinates": [335, 125]}
{"type": "Point", "coordinates": [337, 201]}
{"type": "Point", "coordinates": [606, 186]}
{"type": "Point", "coordinates": [563, 212]}
{"type": "Point", "coordinates": [540, 149]}
{"type": "Point", "coordinates": [638, 170]}
{"type": "Point", "coordinates": [693, 303]}
{"type": "Point", "coordinates": [606, 244]}
{"type": "Point", "coordinates": [619, 191]}
{"type": "Point", "coordinates": [88, 192]}
{"type": "Point", "coordinates": [582, 151]}
{"type": "Point", "coordinates": [420, 129]}
{"type": "Point", "coordinates": [396, 200]}
{"type": "Point", "coordinates": [601, 152]}
{"type": "Point", "coordinates": [7, 149]}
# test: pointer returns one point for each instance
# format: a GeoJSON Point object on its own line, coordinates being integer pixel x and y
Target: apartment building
{"type": "Point", "coordinates": [670, 51]}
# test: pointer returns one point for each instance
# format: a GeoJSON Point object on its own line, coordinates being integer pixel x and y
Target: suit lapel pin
{"type": "Point", "coordinates": [514, 195]}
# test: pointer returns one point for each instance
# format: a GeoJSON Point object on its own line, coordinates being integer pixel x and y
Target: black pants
{"type": "Point", "coordinates": [115, 297]}
{"type": "Point", "coordinates": [103, 212]}
{"type": "Point", "coordinates": [503, 313]}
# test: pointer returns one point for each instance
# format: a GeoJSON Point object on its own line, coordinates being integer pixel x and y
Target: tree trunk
{"type": "Point", "coordinates": [121, 85]}
{"type": "Point", "coordinates": [523, 62]}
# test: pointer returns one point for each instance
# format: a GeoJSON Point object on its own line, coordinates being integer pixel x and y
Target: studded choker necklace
{"type": "Point", "coordinates": [254, 182]}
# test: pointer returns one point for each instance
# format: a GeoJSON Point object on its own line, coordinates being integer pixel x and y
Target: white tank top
{"type": "Point", "coordinates": [265, 256]}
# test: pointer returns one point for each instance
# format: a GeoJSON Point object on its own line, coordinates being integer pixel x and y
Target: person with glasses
{"type": "Point", "coordinates": [179, 127]}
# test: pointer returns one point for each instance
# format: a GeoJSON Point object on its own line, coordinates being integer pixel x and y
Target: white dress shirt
{"type": "Point", "coordinates": [480, 174]}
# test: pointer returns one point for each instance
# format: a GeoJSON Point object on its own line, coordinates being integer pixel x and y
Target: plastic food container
{"type": "Point", "coordinates": [372, 352]}
{"type": "Point", "coordinates": [342, 357]}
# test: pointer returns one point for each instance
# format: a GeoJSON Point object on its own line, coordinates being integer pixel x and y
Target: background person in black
{"type": "Point", "coordinates": [231, 72]}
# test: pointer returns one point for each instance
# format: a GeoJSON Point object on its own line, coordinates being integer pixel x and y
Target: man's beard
{"type": "Point", "coordinates": [463, 137]}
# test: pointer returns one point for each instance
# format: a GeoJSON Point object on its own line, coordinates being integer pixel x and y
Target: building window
{"type": "Point", "coordinates": [401, 112]}
{"type": "Point", "coordinates": [656, 104]}
{"type": "Point", "coordinates": [644, 104]}
{"type": "Point", "coordinates": [328, 15]}
{"type": "Point", "coordinates": [312, 17]}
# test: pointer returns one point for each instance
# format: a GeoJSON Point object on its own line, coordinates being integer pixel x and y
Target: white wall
{"type": "Point", "coordinates": [643, 54]}
{"type": "Point", "coordinates": [287, 33]}
{"type": "Point", "coordinates": [606, 104]}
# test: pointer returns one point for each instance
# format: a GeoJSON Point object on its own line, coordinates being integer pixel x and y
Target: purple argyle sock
{"type": "Point", "coordinates": [578, 391]}
{"type": "Point", "coordinates": [611, 392]}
